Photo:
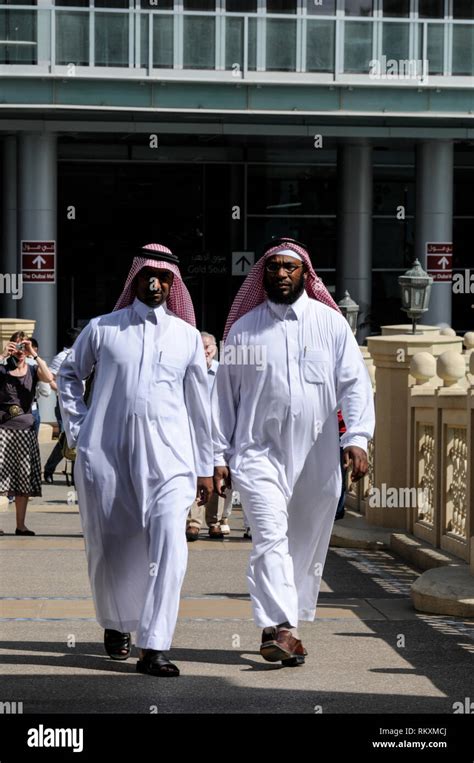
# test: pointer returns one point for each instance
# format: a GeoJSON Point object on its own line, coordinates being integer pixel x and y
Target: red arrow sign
{"type": "Point", "coordinates": [38, 261]}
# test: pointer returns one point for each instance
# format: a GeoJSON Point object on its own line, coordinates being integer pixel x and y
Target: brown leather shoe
{"type": "Point", "coordinates": [215, 531]}
{"type": "Point", "coordinates": [283, 647]}
{"type": "Point", "coordinates": [298, 657]}
{"type": "Point", "coordinates": [268, 635]}
{"type": "Point", "coordinates": [192, 533]}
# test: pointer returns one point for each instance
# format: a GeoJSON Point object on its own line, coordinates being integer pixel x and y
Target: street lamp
{"type": "Point", "coordinates": [416, 288]}
{"type": "Point", "coordinates": [350, 310]}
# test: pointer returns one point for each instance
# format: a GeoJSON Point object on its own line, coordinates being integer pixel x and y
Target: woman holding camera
{"type": "Point", "coordinates": [20, 465]}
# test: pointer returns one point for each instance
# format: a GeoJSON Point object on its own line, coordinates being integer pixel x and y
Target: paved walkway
{"type": "Point", "coordinates": [369, 652]}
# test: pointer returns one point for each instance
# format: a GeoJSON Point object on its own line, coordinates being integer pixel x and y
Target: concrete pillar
{"type": "Point", "coordinates": [354, 222]}
{"type": "Point", "coordinates": [392, 357]}
{"type": "Point", "coordinates": [434, 216]}
{"type": "Point", "coordinates": [9, 297]}
{"type": "Point", "coordinates": [37, 203]}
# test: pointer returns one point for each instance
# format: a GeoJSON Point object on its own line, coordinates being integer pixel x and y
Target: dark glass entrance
{"type": "Point", "coordinates": [107, 211]}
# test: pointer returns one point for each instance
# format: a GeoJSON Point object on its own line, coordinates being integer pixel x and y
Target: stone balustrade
{"type": "Point", "coordinates": [421, 460]}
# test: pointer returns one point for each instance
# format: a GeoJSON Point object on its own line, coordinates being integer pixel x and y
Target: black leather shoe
{"type": "Point", "coordinates": [156, 663]}
{"type": "Point", "coordinates": [48, 478]}
{"type": "Point", "coordinates": [24, 532]}
{"type": "Point", "coordinates": [118, 645]}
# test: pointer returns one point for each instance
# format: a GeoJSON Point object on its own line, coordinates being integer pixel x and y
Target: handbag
{"type": "Point", "coordinates": [68, 453]}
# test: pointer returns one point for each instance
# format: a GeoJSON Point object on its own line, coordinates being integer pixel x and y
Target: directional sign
{"type": "Point", "coordinates": [439, 261]}
{"type": "Point", "coordinates": [38, 261]}
{"type": "Point", "coordinates": [242, 263]}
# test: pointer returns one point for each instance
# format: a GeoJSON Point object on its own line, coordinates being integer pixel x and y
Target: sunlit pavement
{"type": "Point", "coordinates": [369, 651]}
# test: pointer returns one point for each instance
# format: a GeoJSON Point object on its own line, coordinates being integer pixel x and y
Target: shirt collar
{"type": "Point", "coordinates": [285, 311]}
{"type": "Point", "coordinates": [143, 311]}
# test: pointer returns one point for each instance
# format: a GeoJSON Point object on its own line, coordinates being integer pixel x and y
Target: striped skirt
{"type": "Point", "coordinates": [20, 464]}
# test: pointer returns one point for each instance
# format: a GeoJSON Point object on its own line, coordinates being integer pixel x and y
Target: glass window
{"type": "Point", "coordinates": [396, 42]}
{"type": "Point", "coordinates": [431, 9]}
{"type": "Point", "coordinates": [385, 309]}
{"type": "Point", "coordinates": [252, 52]}
{"type": "Point", "coordinates": [20, 26]}
{"type": "Point", "coordinates": [281, 45]}
{"type": "Point", "coordinates": [241, 6]}
{"type": "Point", "coordinates": [391, 192]}
{"type": "Point", "coordinates": [463, 188]}
{"type": "Point", "coordinates": [396, 7]}
{"type": "Point", "coordinates": [111, 3]}
{"type": "Point", "coordinates": [111, 39]}
{"type": "Point", "coordinates": [463, 49]}
{"type": "Point", "coordinates": [463, 236]}
{"type": "Point", "coordinates": [72, 38]}
{"type": "Point", "coordinates": [435, 51]}
{"type": "Point", "coordinates": [157, 5]}
{"type": "Point", "coordinates": [281, 6]}
{"type": "Point", "coordinates": [357, 46]}
{"type": "Point", "coordinates": [73, 3]}
{"type": "Point", "coordinates": [284, 190]}
{"type": "Point", "coordinates": [358, 7]}
{"type": "Point", "coordinates": [199, 42]}
{"type": "Point", "coordinates": [463, 9]}
{"type": "Point", "coordinates": [393, 242]}
{"type": "Point", "coordinates": [234, 43]}
{"type": "Point", "coordinates": [320, 46]}
{"type": "Point", "coordinates": [320, 7]}
{"type": "Point", "coordinates": [199, 5]}
{"type": "Point", "coordinates": [162, 37]}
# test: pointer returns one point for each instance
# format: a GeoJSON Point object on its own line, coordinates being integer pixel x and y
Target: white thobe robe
{"type": "Point", "coordinates": [283, 375]}
{"type": "Point", "coordinates": [140, 446]}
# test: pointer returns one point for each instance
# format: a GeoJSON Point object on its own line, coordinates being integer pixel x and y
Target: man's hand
{"type": "Point", "coordinates": [204, 490]}
{"type": "Point", "coordinates": [222, 475]}
{"type": "Point", "coordinates": [358, 456]}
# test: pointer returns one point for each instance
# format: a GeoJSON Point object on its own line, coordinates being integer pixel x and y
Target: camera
{"type": "Point", "coordinates": [20, 346]}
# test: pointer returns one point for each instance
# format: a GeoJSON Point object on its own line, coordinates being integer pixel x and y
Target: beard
{"type": "Point", "coordinates": [275, 295]}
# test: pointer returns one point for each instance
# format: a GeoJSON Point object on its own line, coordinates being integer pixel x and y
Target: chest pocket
{"type": "Point", "coordinates": [316, 366]}
{"type": "Point", "coordinates": [169, 368]}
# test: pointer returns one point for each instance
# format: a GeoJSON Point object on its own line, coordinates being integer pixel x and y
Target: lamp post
{"type": "Point", "coordinates": [350, 310]}
{"type": "Point", "coordinates": [415, 286]}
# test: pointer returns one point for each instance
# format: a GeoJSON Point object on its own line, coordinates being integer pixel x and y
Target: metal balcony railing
{"type": "Point", "coordinates": [137, 42]}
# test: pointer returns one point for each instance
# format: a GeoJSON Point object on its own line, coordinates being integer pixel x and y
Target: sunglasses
{"type": "Point", "coordinates": [288, 267]}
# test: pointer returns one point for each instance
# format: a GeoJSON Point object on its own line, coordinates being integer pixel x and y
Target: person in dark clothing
{"type": "Point", "coordinates": [56, 454]}
{"type": "Point", "coordinates": [20, 465]}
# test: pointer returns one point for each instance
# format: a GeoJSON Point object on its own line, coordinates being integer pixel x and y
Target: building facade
{"type": "Point", "coordinates": [211, 125]}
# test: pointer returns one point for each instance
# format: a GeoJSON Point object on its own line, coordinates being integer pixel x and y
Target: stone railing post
{"type": "Point", "coordinates": [9, 325]}
{"type": "Point", "coordinates": [392, 356]}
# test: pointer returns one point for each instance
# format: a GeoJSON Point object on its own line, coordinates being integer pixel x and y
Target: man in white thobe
{"type": "Point", "coordinates": [143, 452]}
{"type": "Point", "coordinates": [289, 363]}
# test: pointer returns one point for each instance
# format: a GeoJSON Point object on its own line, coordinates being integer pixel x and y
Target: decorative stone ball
{"type": "Point", "coordinates": [423, 366]}
{"type": "Point", "coordinates": [469, 340]}
{"type": "Point", "coordinates": [447, 331]}
{"type": "Point", "coordinates": [451, 366]}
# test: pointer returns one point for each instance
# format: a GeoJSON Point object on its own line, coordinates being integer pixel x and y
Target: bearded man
{"type": "Point", "coordinates": [275, 431]}
{"type": "Point", "coordinates": [143, 453]}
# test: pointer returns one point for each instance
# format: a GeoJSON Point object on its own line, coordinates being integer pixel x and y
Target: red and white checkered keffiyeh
{"type": "Point", "coordinates": [179, 300]}
{"type": "Point", "coordinates": [252, 292]}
